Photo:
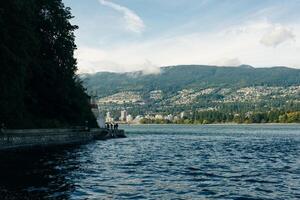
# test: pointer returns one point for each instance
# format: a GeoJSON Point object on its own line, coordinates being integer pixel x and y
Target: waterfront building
{"type": "Point", "coordinates": [129, 118]}
{"type": "Point", "coordinates": [182, 115]}
{"type": "Point", "coordinates": [169, 117]}
{"type": "Point", "coordinates": [123, 117]}
{"type": "Point", "coordinates": [137, 119]}
{"type": "Point", "coordinates": [159, 117]}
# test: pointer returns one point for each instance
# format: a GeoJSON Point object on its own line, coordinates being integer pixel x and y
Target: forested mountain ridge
{"type": "Point", "coordinates": [207, 94]}
{"type": "Point", "coordinates": [175, 78]}
{"type": "Point", "coordinates": [38, 82]}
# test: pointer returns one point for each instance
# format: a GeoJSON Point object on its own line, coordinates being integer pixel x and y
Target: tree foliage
{"type": "Point", "coordinates": [217, 117]}
{"type": "Point", "coordinates": [38, 82]}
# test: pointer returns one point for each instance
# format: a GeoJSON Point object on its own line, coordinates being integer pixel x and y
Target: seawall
{"type": "Point", "coordinates": [15, 139]}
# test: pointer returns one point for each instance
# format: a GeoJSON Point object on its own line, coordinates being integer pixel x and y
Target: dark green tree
{"type": "Point", "coordinates": [39, 85]}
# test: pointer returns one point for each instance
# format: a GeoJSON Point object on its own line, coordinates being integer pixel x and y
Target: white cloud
{"type": "Point", "coordinates": [226, 47]}
{"type": "Point", "coordinates": [149, 68]}
{"type": "Point", "coordinates": [133, 22]}
{"type": "Point", "coordinates": [88, 59]}
{"type": "Point", "coordinates": [276, 36]}
{"type": "Point", "coordinates": [231, 62]}
{"type": "Point", "coordinates": [92, 60]}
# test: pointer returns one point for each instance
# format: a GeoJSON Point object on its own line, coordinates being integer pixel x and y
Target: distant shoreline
{"type": "Point", "coordinates": [218, 124]}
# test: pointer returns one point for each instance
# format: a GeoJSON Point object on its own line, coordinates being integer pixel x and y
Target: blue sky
{"type": "Point", "coordinates": [129, 35]}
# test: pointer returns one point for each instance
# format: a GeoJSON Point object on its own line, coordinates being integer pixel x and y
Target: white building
{"type": "Point", "coordinates": [123, 117]}
{"type": "Point", "coordinates": [156, 94]}
{"type": "Point", "coordinates": [137, 119]}
{"type": "Point", "coordinates": [159, 117]}
{"type": "Point", "coordinates": [129, 118]}
{"type": "Point", "coordinates": [182, 115]}
{"type": "Point", "coordinates": [149, 117]}
{"type": "Point", "coordinates": [169, 117]}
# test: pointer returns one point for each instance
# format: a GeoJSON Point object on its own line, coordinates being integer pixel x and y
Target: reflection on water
{"type": "Point", "coordinates": [163, 162]}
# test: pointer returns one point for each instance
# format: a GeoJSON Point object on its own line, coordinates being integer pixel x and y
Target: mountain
{"type": "Point", "coordinates": [200, 94]}
{"type": "Point", "coordinates": [176, 78]}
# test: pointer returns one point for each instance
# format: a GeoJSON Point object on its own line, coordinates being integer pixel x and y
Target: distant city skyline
{"type": "Point", "coordinates": [130, 35]}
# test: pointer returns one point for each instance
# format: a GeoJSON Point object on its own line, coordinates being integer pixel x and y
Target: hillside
{"type": "Point", "coordinates": [176, 78]}
{"type": "Point", "coordinates": [206, 94]}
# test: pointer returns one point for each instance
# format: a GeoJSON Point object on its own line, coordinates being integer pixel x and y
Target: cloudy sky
{"type": "Point", "coordinates": [129, 35]}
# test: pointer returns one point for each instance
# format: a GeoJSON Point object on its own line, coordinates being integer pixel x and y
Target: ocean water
{"type": "Point", "coordinates": [163, 162]}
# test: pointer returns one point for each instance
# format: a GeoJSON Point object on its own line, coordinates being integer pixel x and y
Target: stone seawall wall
{"type": "Point", "coordinates": [11, 139]}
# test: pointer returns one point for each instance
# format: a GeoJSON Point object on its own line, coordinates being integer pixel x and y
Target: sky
{"type": "Point", "coordinates": [131, 35]}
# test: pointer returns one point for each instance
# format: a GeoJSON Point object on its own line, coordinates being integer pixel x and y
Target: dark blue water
{"type": "Point", "coordinates": [163, 162]}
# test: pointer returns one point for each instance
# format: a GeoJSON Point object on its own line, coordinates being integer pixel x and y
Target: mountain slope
{"type": "Point", "coordinates": [175, 78]}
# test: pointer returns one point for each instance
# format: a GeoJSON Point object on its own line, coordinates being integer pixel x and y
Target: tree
{"type": "Point", "coordinates": [39, 85]}
{"type": "Point", "coordinates": [17, 49]}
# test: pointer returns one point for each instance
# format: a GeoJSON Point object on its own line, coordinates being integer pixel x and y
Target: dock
{"type": "Point", "coordinates": [26, 138]}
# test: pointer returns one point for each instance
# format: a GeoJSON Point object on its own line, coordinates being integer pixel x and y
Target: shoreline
{"type": "Point", "coordinates": [218, 124]}
{"type": "Point", "coordinates": [28, 138]}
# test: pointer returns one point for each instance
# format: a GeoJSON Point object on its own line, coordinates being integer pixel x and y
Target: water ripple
{"type": "Point", "coordinates": [163, 162]}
